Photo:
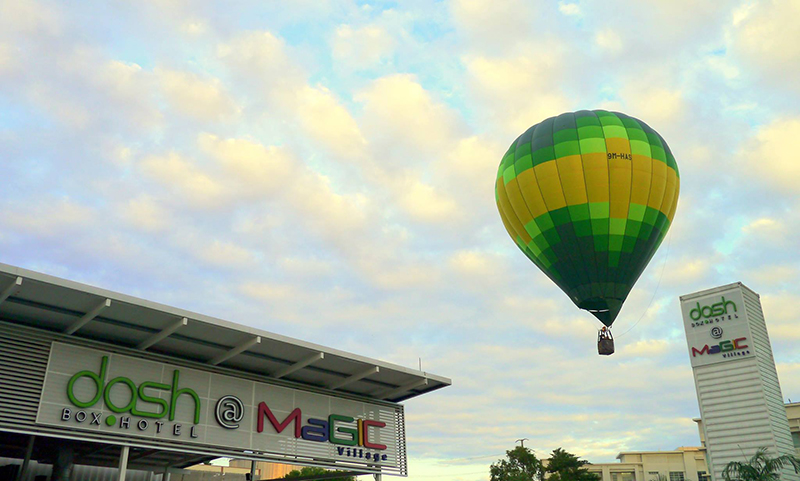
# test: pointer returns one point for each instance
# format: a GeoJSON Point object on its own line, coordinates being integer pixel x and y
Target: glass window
{"type": "Point", "coordinates": [703, 476]}
{"type": "Point", "coordinates": [676, 476]}
{"type": "Point", "coordinates": [624, 476]}
{"type": "Point", "coordinates": [652, 476]}
{"type": "Point", "coordinates": [796, 440]}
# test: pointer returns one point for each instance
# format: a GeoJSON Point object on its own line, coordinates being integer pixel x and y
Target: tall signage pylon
{"type": "Point", "coordinates": [734, 373]}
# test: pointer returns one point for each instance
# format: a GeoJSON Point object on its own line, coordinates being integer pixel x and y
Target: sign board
{"type": "Point", "coordinates": [716, 328]}
{"type": "Point", "coordinates": [87, 389]}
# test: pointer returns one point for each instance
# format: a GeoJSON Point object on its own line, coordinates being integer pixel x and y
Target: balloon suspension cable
{"type": "Point", "coordinates": [658, 284]}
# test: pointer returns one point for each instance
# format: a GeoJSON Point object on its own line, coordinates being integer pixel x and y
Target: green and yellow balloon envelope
{"type": "Point", "coordinates": [588, 196]}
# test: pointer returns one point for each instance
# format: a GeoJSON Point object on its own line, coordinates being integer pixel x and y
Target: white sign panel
{"type": "Point", "coordinates": [716, 328]}
{"type": "Point", "coordinates": [105, 392]}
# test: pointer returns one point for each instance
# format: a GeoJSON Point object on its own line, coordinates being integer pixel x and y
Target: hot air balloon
{"type": "Point", "coordinates": [588, 197]}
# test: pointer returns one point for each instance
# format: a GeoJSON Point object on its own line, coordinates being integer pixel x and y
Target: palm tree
{"type": "Point", "coordinates": [761, 467]}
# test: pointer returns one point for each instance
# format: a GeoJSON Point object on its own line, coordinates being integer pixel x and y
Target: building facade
{"type": "Point", "coordinates": [682, 464]}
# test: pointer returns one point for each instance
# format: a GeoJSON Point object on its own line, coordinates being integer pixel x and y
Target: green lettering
{"type": "Point", "coordinates": [333, 429]}
{"type": "Point", "coordinates": [177, 393]}
{"type": "Point", "coordinates": [99, 381]}
{"type": "Point", "coordinates": [726, 305]}
{"type": "Point", "coordinates": [725, 346]}
{"type": "Point", "coordinates": [107, 394]}
{"type": "Point", "coordinates": [150, 399]}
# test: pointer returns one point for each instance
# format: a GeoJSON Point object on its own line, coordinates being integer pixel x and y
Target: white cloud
{"type": "Point", "coordinates": [425, 204]}
{"type": "Point", "coordinates": [495, 23]}
{"type": "Point", "coordinates": [203, 99]}
{"type": "Point", "coordinates": [400, 112]}
{"type": "Point", "coordinates": [48, 218]}
{"type": "Point", "coordinates": [569, 9]}
{"type": "Point", "coordinates": [262, 61]}
{"type": "Point", "coordinates": [328, 122]}
{"type": "Point", "coordinates": [767, 231]}
{"type": "Point", "coordinates": [687, 270]}
{"type": "Point", "coordinates": [8, 58]}
{"type": "Point", "coordinates": [146, 214]}
{"type": "Point", "coordinates": [361, 47]}
{"type": "Point", "coordinates": [29, 18]}
{"type": "Point", "coordinates": [770, 156]}
{"type": "Point", "coordinates": [765, 34]}
{"type": "Point", "coordinates": [181, 175]}
{"type": "Point", "coordinates": [254, 169]}
{"type": "Point", "coordinates": [518, 92]}
{"type": "Point", "coordinates": [225, 254]}
{"type": "Point", "coordinates": [609, 40]}
{"type": "Point", "coordinates": [780, 310]}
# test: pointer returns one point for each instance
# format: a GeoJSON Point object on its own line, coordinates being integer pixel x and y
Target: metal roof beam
{"type": "Point", "coordinates": [299, 365]}
{"type": "Point", "coordinates": [355, 377]}
{"type": "Point", "coordinates": [234, 351]}
{"type": "Point", "coordinates": [10, 289]}
{"type": "Point", "coordinates": [403, 389]}
{"type": "Point", "coordinates": [87, 317]}
{"type": "Point", "coordinates": [161, 335]}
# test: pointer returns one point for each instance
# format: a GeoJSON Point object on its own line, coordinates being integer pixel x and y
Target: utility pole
{"type": "Point", "coordinates": [522, 441]}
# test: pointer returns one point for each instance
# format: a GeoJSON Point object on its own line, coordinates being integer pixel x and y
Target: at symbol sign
{"type": "Point", "coordinates": [229, 412]}
{"type": "Point", "coordinates": [716, 332]}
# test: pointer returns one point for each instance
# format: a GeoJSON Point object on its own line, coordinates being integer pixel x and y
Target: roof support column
{"type": "Point", "coordinates": [355, 377]}
{"type": "Point", "coordinates": [27, 460]}
{"type": "Point", "coordinates": [10, 289]}
{"type": "Point", "coordinates": [252, 470]}
{"type": "Point", "coordinates": [162, 334]}
{"type": "Point", "coordinates": [87, 317]}
{"type": "Point", "coordinates": [403, 389]}
{"type": "Point", "coordinates": [123, 463]}
{"type": "Point", "coordinates": [299, 365]}
{"type": "Point", "coordinates": [235, 350]}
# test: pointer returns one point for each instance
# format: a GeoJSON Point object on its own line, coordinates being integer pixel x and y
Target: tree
{"type": "Point", "coordinates": [520, 465]}
{"type": "Point", "coordinates": [309, 471]}
{"type": "Point", "coordinates": [761, 467]}
{"type": "Point", "coordinates": [564, 466]}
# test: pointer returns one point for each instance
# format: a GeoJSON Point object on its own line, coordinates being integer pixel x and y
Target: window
{"type": "Point", "coordinates": [624, 476]}
{"type": "Point", "coordinates": [676, 476]}
{"type": "Point", "coordinates": [796, 440]}
{"type": "Point", "coordinates": [703, 476]}
{"type": "Point", "coordinates": [652, 476]}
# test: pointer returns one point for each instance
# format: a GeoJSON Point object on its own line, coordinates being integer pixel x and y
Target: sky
{"type": "Point", "coordinates": [325, 170]}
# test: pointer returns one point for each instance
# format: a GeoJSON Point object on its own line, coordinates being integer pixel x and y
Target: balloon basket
{"type": "Point", "coordinates": [605, 342]}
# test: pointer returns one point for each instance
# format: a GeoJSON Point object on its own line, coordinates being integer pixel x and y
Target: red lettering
{"type": "Point", "coordinates": [737, 345]}
{"type": "Point", "coordinates": [293, 416]}
{"type": "Point", "coordinates": [701, 351]}
{"type": "Point", "coordinates": [367, 424]}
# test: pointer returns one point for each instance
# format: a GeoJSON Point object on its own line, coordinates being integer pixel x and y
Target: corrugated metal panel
{"type": "Point", "coordinates": [769, 377]}
{"type": "Point", "coordinates": [728, 417]}
{"type": "Point", "coordinates": [23, 362]}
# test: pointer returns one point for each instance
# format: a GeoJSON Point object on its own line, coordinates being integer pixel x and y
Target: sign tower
{"type": "Point", "coordinates": [734, 373]}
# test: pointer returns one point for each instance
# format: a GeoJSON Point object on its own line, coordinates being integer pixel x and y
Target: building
{"type": "Point", "coordinates": [94, 378]}
{"type": "Point", "coordinates": [738, 391]}
{"type": "Point", "coordinates": [682, 464]}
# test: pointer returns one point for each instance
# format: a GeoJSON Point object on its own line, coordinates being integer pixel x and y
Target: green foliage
{"type": "Point", "coordinates": [761, 467]}
{"type": "Point", "coordinates": [520, 465]}
{"type": "Point", "coordinates": [308, 471]}
{"type": "Point", "coordinates": [564, 466]}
